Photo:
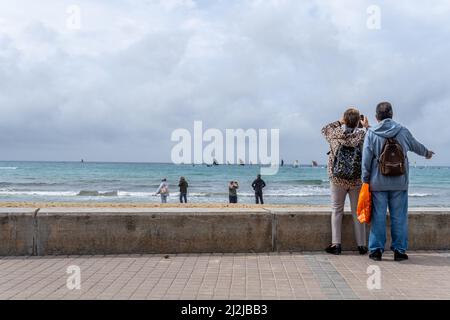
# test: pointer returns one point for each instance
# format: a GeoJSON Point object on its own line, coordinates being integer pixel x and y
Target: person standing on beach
{"type": "Point", "coordinates": [385, 168]}
{"type": "Point", "coordinates": [183, 189]}
{"type": "Point", "coordinates": [232, 191]}
{"type": "Point", "coordinates": [163, 190]}
{"type": "Point", "coordinates": [258, 185]}
{"type": "Point", "coordinates": [344, 170]}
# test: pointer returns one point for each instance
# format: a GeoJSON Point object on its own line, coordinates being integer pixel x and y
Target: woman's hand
{"type": "Point", "coordinates": [365, 122]}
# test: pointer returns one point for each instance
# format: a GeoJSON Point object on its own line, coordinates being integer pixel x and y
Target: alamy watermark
{"type": "Point", "coordinates": [374, 279]}
{"type": "Point", "coordinates": [74, 278]}
{"type": "Point", "coordinates": [235, 146]}
{"type": "Point", "coordinates": [73, 21]}
{"type": "Point", "coordinates": [373, 17]}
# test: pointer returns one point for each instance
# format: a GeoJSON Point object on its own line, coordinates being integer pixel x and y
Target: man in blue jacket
{"type": "Point", "coordinates": [388, 191]}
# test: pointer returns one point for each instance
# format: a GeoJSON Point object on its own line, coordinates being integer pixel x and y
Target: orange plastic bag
{"type": "Point", "coordinates": [365, 204]}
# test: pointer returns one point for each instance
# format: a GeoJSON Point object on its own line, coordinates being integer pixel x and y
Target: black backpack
{"type": "Point", "coordinates": [392, 159]}
{"type": "Point", "coordinates": [347, 163]}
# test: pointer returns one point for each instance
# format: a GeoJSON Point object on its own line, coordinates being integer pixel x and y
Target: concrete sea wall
{"type": "Point", "coordinates": [103, 231]}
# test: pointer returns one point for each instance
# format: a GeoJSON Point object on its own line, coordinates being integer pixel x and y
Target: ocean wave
{"type": "Point", "coordinates": [307, 182]}
{"type": "Point", "coordinates": [38, 193]}
{"type": "Point", "coordinates": [199, 194]}
{"type": "Point", "coordinates": [27, 184]}
{"type": "Point", "coordinates": [225, 194]}
{"type": "Point", "coordinates": [87, 181]}
{"type": "Point", "coordinates": [83, 193]}
{"type": "Point", "coordinates": [126, 194]}
{"type": "Point", "coordinates": [87, 193]}
{"type": "Point", "coordinates": [8, 168]}
{"type": "Point", "coordinates": [420, 195]}
{"type": "Point", "coordinates": [287, 195]}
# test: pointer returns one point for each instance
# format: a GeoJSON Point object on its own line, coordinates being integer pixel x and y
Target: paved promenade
{"type": "Point", "coordinates": [226, 276]}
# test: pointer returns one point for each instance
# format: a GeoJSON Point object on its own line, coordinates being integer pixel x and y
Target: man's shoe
{"type": "Point", "coordinates": [376, 255]}
{"type": "Point", "coordinates": [398, 256]}
{"type": "Point", "coordinates": [334, 249]}
{"type": "Point", "coordinates": [362, 250]}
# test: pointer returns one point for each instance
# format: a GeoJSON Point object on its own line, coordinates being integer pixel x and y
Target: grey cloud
{"type": "Point", "coordinates": [116, 91]}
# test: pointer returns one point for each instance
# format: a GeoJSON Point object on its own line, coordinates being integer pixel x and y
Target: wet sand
{"type": "Point", "coordinates": [142, 205]}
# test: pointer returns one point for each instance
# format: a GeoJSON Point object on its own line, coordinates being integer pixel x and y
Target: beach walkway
{"type": "Point", "coordinates": [227, 276]}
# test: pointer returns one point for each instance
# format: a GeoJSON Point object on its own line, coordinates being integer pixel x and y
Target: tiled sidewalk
{"type": "Point", "coordinates": [226, 276]}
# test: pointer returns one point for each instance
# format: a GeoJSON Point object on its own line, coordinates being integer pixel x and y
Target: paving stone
{"type": "Point", "coordinates": [226, 276]}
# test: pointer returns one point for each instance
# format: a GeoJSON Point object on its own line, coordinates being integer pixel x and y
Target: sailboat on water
{"type": "Point", "coordinates": [314, 164]}
{"type": "Point", "coordinates": [295, 165]}
{"type": "Point", "coordinates": [241, 163]}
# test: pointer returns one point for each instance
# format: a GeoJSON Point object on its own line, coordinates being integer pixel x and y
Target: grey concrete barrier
{"type": "Point", "coordinates": [429, 229]}
{"type": "Point", "coordinates": [17, 228]}
{"type": "Point", "coordinates": [152, 231]}
{"type": "Point", "coordinates": [174, 230]}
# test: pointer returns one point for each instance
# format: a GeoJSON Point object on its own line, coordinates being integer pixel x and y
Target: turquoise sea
{"type": "Point", "coordinates": [137, 182]}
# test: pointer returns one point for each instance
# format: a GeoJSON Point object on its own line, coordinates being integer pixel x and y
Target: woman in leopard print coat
{"type": "Point", "coordinates": [345, 132]}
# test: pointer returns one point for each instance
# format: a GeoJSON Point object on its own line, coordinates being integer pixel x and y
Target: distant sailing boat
{"type": "Point", "coordinates": [314, 164]}
{"type": "Point", "coordinates": [295, 165]}
{"type": "Point", "coordinates": [215, 162]}
{"type": "Point", "coordinates": [241, 163]}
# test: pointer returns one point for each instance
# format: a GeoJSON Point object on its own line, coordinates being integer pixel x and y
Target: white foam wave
{"type": "Point", "coordinates": [128, 194]}
{"type": "Point", "coordinates": [125, 194]}
{"type": "Point", "coordinates": [287, 195]}
{"type": "Point", "coordinates": [39, 193]}
{"type": "Point", "coordinates": [8, 168]}
{"type": "Point", "coordinates": [420, 195]}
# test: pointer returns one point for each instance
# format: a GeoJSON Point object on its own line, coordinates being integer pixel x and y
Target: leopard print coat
{"type": "Point", "coordinates": [337, 135]}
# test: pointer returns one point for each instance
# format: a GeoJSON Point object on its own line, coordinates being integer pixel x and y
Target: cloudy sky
{"type": "Point", "coordinates": [115, 88]}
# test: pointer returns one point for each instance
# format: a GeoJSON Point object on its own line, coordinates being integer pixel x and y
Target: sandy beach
{"type": "Point", "coordinates": [143, 205]}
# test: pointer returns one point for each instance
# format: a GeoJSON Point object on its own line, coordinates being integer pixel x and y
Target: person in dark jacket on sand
{"type": "Point", "coordinates": [183, 189]}
{"type": "Point", "coordinates": [258, 185]}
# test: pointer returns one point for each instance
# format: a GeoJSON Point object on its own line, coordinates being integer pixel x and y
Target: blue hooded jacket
{"type": "Point", "coordinates": [373, 146]}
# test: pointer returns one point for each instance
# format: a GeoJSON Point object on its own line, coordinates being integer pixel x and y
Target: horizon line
{"type": "Point", "coordinates": [144, 162]}
{"type": "Point", "coordinates": [159, 162]}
